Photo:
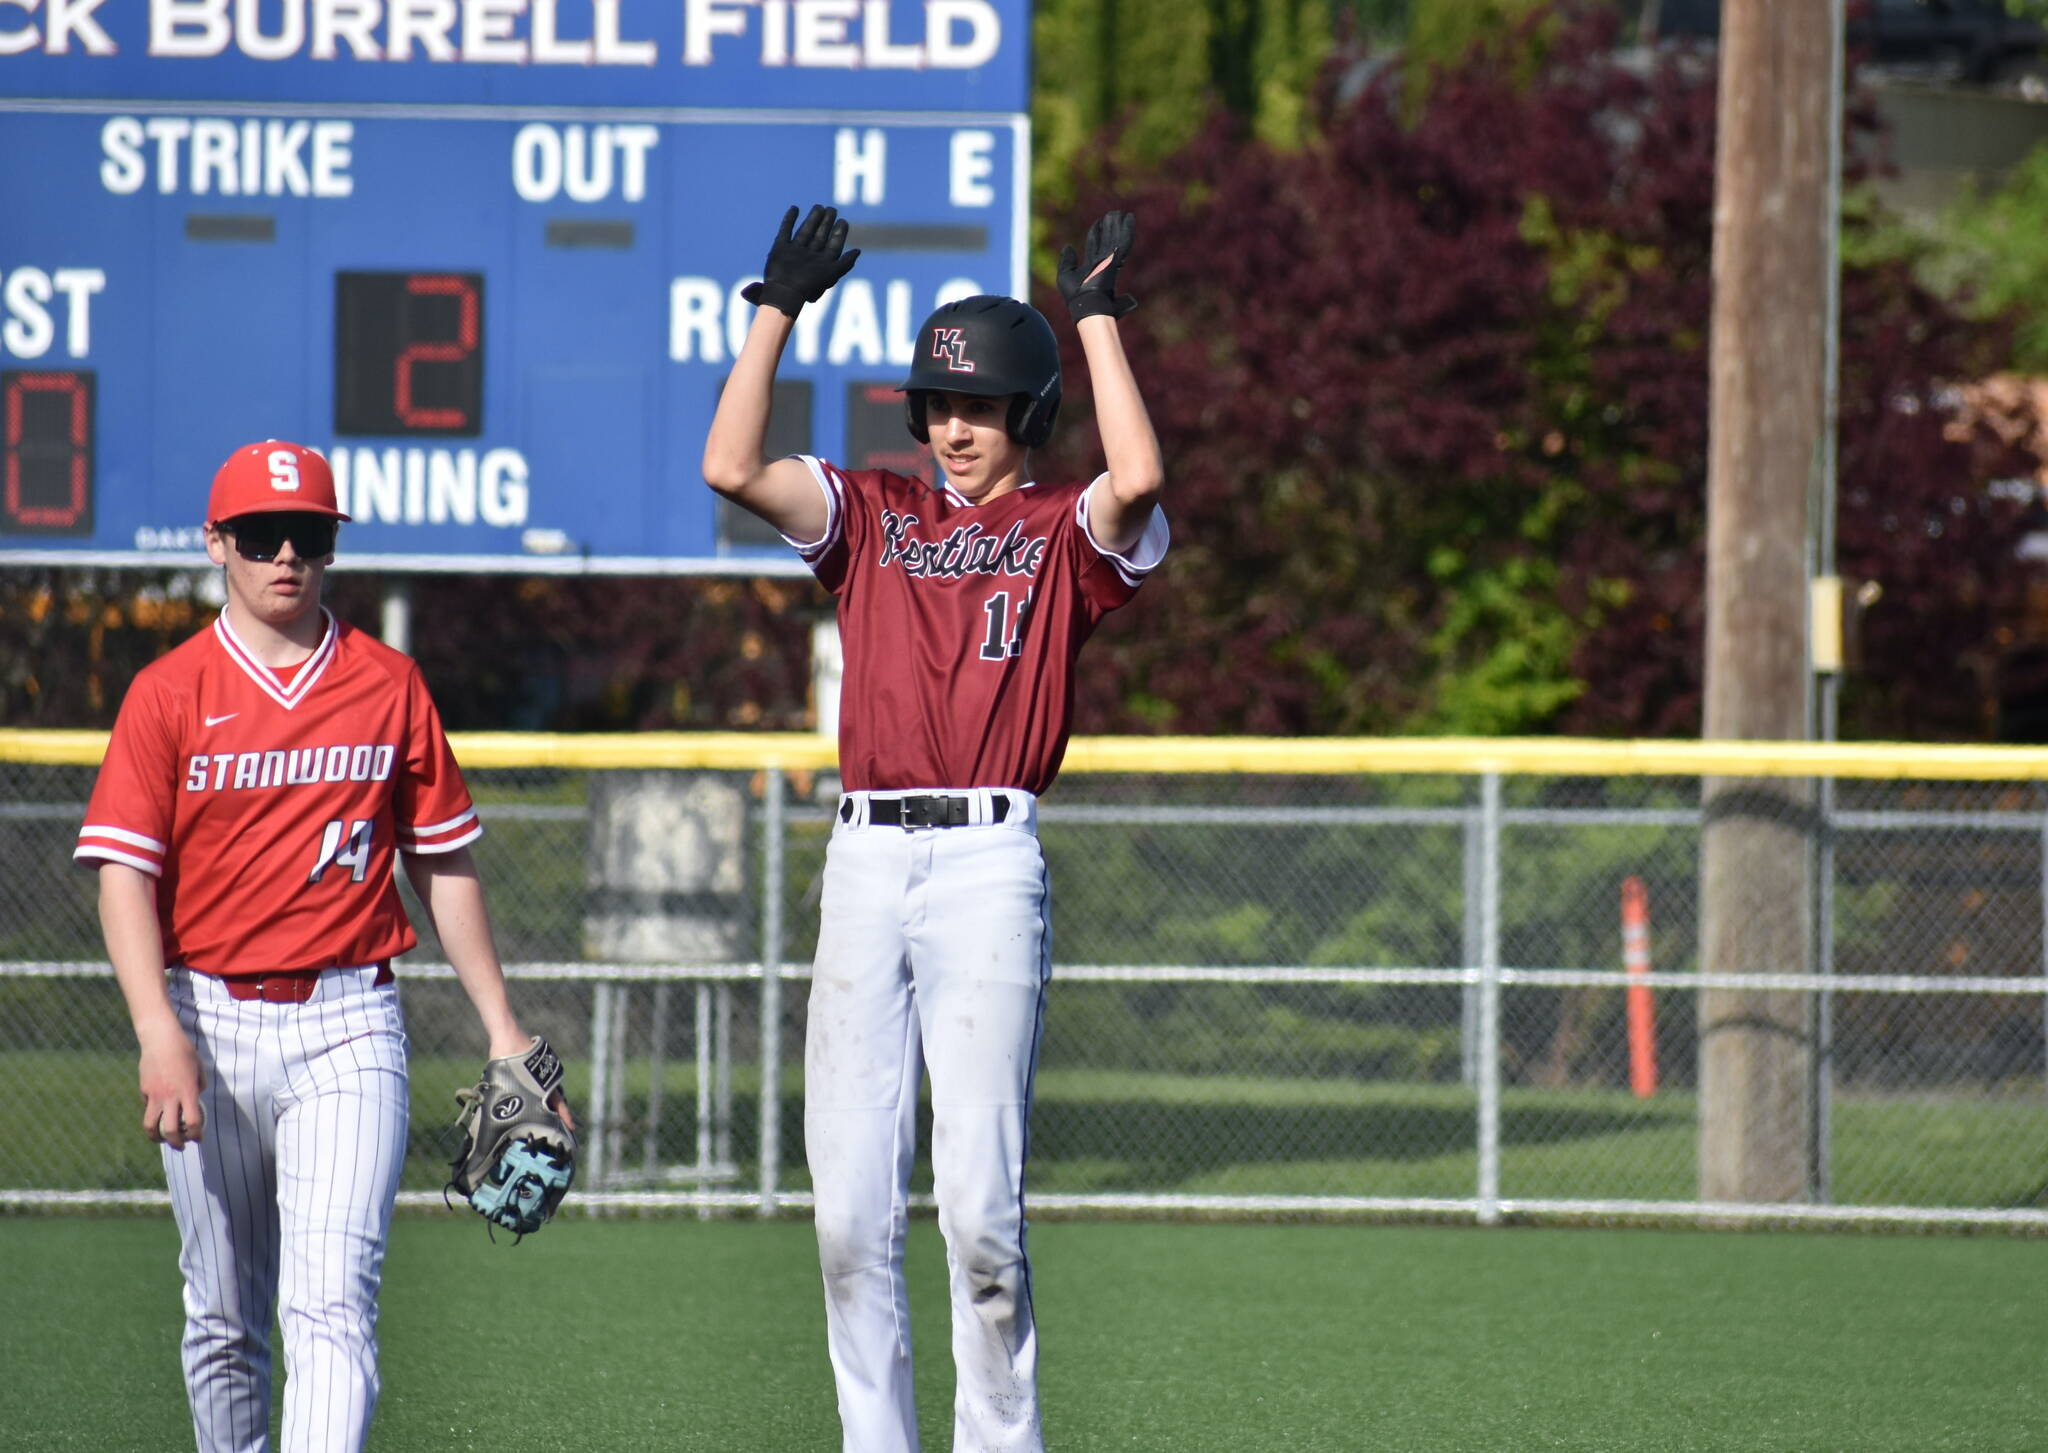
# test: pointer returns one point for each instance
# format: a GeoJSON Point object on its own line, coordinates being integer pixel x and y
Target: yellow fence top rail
{"type": "Point", "coordinates": [1526, 756]}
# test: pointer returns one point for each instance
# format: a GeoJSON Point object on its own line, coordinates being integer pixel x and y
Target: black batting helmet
{"type": "Point", "coordinates": [991, 347]}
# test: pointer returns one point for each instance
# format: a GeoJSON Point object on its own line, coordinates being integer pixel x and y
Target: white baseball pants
{"type": "Point", "coordinates": [934, 950]}
{"type": "Point", "coordinates": [287, 1200]}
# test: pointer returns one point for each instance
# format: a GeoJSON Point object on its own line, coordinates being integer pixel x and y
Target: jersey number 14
{"type": "Point", "coordinates": [349, 850]}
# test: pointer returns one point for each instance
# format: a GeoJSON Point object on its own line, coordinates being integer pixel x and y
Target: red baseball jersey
{"type": "Point", "coordinates": [960, 624]}
{"type": "Point", "coordinates": [269, 808]}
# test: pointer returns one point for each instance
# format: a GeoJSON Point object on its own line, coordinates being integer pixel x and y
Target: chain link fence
{"type": "Point", "coordinates": [1327, 978]}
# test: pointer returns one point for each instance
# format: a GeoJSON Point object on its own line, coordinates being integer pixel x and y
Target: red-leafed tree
{"type": "Point", "coordinates": [1434, 392]}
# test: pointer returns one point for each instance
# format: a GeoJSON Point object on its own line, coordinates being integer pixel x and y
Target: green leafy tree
{"type": "Point", "coordinates": [1149, 73]}
{"type": "Point", "coordinates": [1989, 252]}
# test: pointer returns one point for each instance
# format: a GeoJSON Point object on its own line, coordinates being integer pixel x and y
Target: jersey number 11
{"type": "Point", "coordinates": [1005, 633]}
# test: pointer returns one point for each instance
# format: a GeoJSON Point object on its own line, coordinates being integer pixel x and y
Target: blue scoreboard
{"type": "Point", "coordinates": [484, 254]}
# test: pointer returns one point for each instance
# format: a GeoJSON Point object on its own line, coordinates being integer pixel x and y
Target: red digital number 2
{"type": "Point", "coordinates": [445, 351]}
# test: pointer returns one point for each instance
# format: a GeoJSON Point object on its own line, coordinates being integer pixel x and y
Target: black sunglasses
{"type": "Point", "coordinates": [260, 537]}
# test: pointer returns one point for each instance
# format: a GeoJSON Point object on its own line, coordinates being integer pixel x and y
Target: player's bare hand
{"type": "Point", "coordinates": [803, 262]}
{"type": "Point", "coordinates": [170, 1081]}
{"type": "Point", "coordinates": [1088, 282]}
{"type": "Point", "coordinates": [559, 1103]}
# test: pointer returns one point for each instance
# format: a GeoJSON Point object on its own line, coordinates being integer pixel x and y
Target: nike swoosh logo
{"type": "Point", "coordinates": [217, 720]}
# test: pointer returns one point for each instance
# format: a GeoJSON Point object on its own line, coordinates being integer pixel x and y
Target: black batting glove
{"type": "Point", "coordinates": [1089, 285]}
{"type": "Point", "coordinates": [803, 262]}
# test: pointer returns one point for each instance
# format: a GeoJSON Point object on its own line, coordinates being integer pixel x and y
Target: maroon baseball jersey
{"type": "Point", "coordinates": [960, 624]}
{"type": "Point", "coordinates": [269, 808]}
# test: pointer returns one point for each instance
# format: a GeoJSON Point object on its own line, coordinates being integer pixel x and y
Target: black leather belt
{"type": "Point", "coordinates": [931, 809]}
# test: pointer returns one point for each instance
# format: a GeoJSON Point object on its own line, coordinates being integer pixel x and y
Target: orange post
{"type": "Point", "coordinates": [1642, 1014]}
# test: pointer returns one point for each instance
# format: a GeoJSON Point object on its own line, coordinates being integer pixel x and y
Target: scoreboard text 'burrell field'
{"type": "Point", "coordinates": [484, 254]}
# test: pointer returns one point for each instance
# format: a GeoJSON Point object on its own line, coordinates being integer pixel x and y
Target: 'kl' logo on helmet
{"type": "Point", "coordinates": [949, 344]}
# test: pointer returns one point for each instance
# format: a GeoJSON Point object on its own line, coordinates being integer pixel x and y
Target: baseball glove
{"type": "Point", "coordinates": [517, 1156]}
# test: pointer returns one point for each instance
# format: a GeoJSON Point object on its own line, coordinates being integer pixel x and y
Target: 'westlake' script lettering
{"type": "Point", "coordinates": [968, 550]}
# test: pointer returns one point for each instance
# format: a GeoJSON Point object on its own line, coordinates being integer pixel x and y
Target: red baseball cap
{"type": "Point", "coordinates": [273, 476]}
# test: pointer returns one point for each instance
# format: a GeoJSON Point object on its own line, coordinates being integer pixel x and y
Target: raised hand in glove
{"type": "Point", "coordinates": [803, 262]}
{"type": "Point", "coordinates": [1089, 283]}
{"type": "Point", "coordinates": [518, 1155]}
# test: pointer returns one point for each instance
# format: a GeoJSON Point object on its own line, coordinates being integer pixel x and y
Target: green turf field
{"type": "Point", "coordinates": [708, 1335]}
{"type": "Point", "coordinates": [1121, 1131]}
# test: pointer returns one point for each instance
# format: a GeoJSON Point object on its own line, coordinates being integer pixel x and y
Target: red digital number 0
{"type": "Point", "coordinates": [58, 516]}
{"type": "Point", "coordinates": [451, 351]}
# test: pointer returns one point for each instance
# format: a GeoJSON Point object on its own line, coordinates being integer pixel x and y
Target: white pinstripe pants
{"type": "Point", "coordinates": [934, 950]}
{"type": "Point", "coordinates": [287, 1201]}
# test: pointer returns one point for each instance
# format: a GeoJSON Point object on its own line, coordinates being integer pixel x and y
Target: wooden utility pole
{"type": "Point", "coordinates": [1766, 417]}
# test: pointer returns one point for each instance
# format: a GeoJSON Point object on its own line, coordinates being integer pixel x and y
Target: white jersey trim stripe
{"type": "Point", "coordinates": [122, 835]}
{"type": "Point", "coordinates": [1144, 557]}
{"type": "Point", "coordinates": [267, 679]}
{"type": "Point", "coordinates": [440, 827]}
{"type": "Point", "coordinates": [89, 850]}
{"type": "Point", "coordinates": [419, 849]}
{"type": "Point", "coordinates": [961, 501]}
{"type": "Point", "coordinates": [835, 505]}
